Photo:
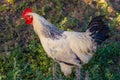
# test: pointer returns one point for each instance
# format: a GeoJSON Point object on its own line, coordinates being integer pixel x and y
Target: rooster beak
{"type": "Point", "coordinates": [22, 18]}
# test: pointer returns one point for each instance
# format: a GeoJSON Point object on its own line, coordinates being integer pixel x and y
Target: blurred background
{"type": "Point", "coordinates": [22, 56]}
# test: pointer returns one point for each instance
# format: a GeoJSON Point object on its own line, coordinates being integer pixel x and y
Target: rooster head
{"type": "Point", "coordinates": [28, 18]}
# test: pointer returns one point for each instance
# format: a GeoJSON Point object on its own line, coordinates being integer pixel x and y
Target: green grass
{"type": "Point", "coordinates": [22, 56]}
{"type": "Point", "coordinates": [36, 65]}
{"type": "Point", "coordinates": [33, 65]}
{"type": "Point", "coordinates": [105, 63]}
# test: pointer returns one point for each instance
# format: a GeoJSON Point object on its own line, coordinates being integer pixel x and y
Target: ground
{"type": "Point", "coordinates": [21, 51]}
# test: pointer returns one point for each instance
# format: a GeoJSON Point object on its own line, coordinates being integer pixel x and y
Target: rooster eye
{"type": "Point", "coordinates": [28, 17]}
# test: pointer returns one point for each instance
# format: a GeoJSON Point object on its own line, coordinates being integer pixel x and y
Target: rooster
{"type": "Point", "coordinates": [68, 48]}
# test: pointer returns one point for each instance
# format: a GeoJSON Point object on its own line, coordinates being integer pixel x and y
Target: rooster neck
{"type": "Point", "coordinates": [45, 29]}
{"type": "Point", "coordinates": [49, 31]}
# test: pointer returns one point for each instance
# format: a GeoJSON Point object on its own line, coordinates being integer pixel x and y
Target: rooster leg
{"type": "Point", "coordinates": [87, 76]}
{"type": "Point", "coordinates": [78, 76]}
{"type": "Point", "coordinates": [54, 71]}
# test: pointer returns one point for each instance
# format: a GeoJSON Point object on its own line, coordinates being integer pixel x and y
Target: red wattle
{"type": "Point", "coordinates": [28, 18]}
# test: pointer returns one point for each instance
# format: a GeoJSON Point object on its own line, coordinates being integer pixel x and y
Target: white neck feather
{"type": "Point", "coordinates": [38, 23]}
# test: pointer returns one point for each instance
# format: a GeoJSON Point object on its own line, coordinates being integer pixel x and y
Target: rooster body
{"type": "Point", "coordinates": [69, 48]}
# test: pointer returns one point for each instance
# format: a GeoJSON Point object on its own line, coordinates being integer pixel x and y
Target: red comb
{"type": "Point", "coordinates": [26, 11]}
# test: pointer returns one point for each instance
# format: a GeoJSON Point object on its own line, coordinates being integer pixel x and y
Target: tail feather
{"type": "Point", "coordinates": [98, 29]}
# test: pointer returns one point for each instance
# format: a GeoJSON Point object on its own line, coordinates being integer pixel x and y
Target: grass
{"type": "Point", "coordinates": [105, 63]}
{"type": "Point", "coordinates": [22, 56]}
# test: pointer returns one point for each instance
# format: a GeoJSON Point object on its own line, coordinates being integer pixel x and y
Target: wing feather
{"type": "Point", "coordinates": [81, 44]}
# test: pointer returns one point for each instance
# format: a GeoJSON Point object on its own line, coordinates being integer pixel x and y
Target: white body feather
{"type": "Point", "coordinates": [79, 43]}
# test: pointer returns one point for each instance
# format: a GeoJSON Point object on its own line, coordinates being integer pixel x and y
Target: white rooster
{"type": "Point", "coordinates": [68, 48]}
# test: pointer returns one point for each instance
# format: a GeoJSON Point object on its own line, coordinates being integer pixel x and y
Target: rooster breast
{"type": "Point", "coordinates": [59, 49]}
{"type": "Point", "coordinates": [72, 47]}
